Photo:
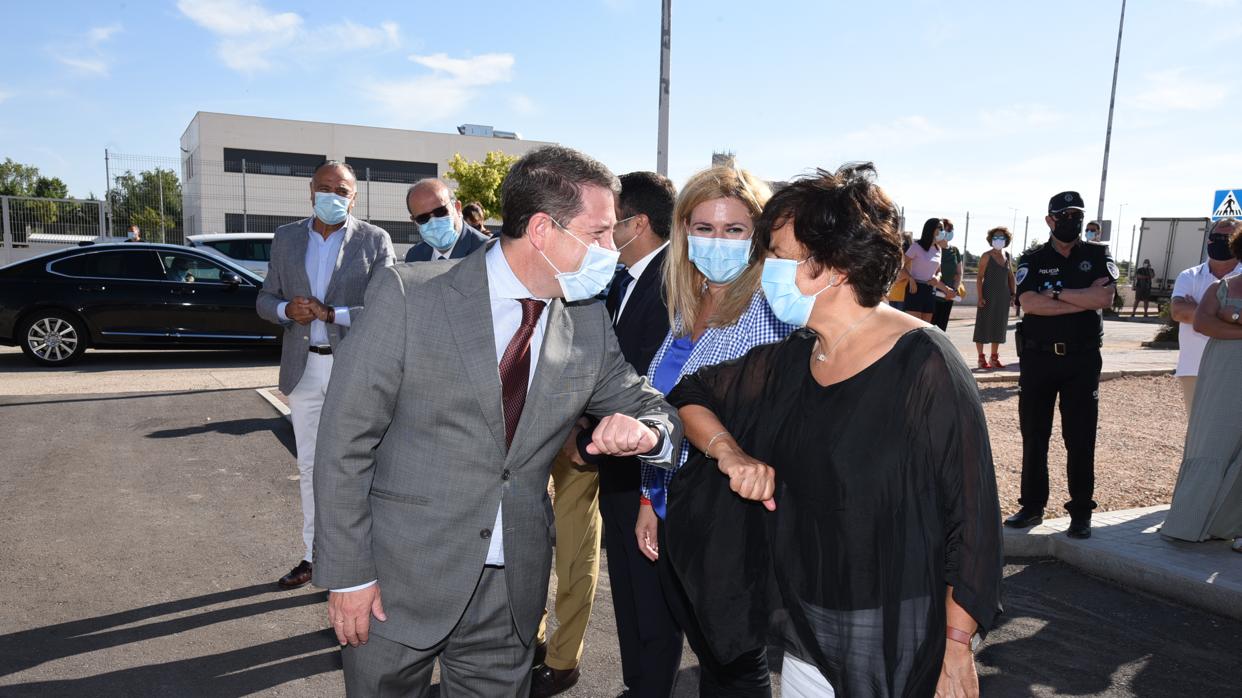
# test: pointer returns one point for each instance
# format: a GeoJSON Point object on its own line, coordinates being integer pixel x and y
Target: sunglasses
{"type": "Point", "coordinates": [1071, 214]}
{"type": "Point", "coordinates": [438, 212]}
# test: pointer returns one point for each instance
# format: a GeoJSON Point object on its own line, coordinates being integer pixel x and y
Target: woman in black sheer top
{"type": "Point", "coordinates": [878, 540]}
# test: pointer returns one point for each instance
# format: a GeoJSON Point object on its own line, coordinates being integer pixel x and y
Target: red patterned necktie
{"type": "Point", "coordinates": [515, 367]}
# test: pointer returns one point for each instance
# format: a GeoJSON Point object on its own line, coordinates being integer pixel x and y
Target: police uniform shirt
{"type": "Point", "coordinates": [1044, 268]}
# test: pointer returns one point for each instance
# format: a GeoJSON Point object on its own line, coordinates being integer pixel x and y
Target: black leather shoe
{"type": "Point", "coordinates": [549, 682]}
{"type": "Point", "coordinates": [1080, 527]}
{"type": "Point", "coordinates": [298, 576]}
{"type": "Point", "coordinates": [1025, 518]}
{"type": "Point", "coordinates": [541, 653]}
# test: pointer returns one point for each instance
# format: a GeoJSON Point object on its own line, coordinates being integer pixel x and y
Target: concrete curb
{"type": "Point", "coordinates": [281, 407]}
{"type": "Point", "coordinates": [1126, 548]}
{"type": "Point", "coordinates": [1104, 375]}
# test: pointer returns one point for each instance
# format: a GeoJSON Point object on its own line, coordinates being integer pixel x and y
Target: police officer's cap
{"type": "Point", "coordinates": [1064, 201]}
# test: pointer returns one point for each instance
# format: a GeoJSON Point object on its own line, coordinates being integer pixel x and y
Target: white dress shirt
{"type": "Point", "coordinates": [636, 272]}
{"type": "Point", "coordinates": [321, 256]}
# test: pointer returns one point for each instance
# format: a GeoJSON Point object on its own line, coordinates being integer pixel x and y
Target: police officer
{"type": "Point", "coordinates": [1062, 285]}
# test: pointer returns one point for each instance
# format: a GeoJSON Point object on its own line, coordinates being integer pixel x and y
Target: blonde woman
{"type": "Point", "coordinates": [717, 313]}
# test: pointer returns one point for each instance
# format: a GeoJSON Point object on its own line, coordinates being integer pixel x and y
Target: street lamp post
{"type": "Point", "coordinates": [665, 44]}
{"type": "Point", "coordinates": [1112, 101]}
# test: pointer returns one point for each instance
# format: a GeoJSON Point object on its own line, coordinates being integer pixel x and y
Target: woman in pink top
{"type": "Point", "coordinates": [922, 266]}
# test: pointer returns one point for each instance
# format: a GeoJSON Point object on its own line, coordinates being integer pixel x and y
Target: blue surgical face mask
{"type": "Point", "coordinates": [998, 243]}
{"type": "Point", "coordinates": [1091, 235]}
{"type": "Point", "coordinates": [788, 303]}
{"type": "Point", "coordinates": [330, 208]}
{"type": "Point", "coordinates": [593, 274]}
{"type": "Point", "coordinates": [721, 260]}
{"type": "Point", "coordinates": [439, 232]}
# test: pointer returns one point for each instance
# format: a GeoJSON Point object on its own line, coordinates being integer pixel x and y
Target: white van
{"type": "Point", "coordinates": [251, 250]}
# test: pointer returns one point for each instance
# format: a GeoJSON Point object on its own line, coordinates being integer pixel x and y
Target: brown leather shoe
{"type": "Point", "coordinates": [298, 576]}
{"type": "Point", "coordinates": [547, 681]}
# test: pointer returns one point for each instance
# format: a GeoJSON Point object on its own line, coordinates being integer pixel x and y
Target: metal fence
{"type": "Point", "coordinates": [169, 198]}
{"type": "Point", "coordinates": [32, 225]}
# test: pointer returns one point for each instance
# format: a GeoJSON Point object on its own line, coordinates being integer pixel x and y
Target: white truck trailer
{"type": "Point", "coordinates": [1172, 245]}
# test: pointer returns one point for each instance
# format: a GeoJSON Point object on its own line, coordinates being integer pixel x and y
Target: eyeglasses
{"type": "Point", "coordinates": [438, 212]}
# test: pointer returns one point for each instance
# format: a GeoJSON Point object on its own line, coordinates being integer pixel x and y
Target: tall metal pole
{"type": "Point", "coordinates": [245, 210]}
{"type": "Point", "coordinates": [159, 172]}
{"type": "Point", "coordinates": [1133, 234]}
{"type": "Point", "coordinates": [1118, 228]}
{"type": "Point", "coordinates": [1026, 229]}
{"type": "Point", "coordinates": [368, 194]}
{"type": "Point", "coordinates": [665, 42]}
{"type": "Point", "coordinates": [1112, 101]}
{"type": "Point", "coordinates": [108, 193]}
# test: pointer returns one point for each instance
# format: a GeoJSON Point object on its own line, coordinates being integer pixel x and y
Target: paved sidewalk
{"type": "Point", "coordinates": [1123, 352]}
{"type": "Point", "coordinates": [1125, 547]}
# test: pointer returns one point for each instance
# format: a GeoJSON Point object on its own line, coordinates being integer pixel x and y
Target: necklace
{"type": "Point", "coordinates": [823, 355]}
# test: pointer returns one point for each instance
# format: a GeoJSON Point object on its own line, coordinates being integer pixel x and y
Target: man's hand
{"type": "Point", "coordinates": [350, 614]}
{"type": "Point", "coordinates": [645, 532]}
{"type": "Point", "coordinates": [911, 285]}
{"type": "Point", "coordinates": [619, 435]}
{"type": "Point", "coordinates": [323, 313]}
{"type": "Point", "coordinates": [749, 478]}
{"type": "Point", "coordinates": [958, 676]}
{"type": "Point", "coordinates": [983, 302]}
{"type": "Point", "coordinates": [299, 310]}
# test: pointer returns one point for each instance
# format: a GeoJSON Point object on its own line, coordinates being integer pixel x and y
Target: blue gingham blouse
{"type": "Point", "coordinates": [756, 326]}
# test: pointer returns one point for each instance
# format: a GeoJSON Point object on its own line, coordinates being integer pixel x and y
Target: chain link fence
{"type": "Point", "coordinates": [32, 225]}
{"type": "Point", "coordinates": [240, 196]}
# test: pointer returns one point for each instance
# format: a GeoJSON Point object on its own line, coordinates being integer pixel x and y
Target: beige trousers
{"type": "Point", "coordinates": [1188, 392]}
{"type": "Point", "coordinates": [578, 528]}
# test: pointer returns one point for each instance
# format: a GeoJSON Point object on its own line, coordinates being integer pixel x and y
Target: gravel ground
{"type": "Point", "coordinates": [1137, 452]}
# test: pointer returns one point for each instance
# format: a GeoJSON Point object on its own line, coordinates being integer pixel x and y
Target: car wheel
{"type": "Point", "coordinates": [52, 338]}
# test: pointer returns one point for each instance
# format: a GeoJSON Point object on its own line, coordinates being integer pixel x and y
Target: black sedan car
{"type": "Point", "coordinates": [128, 296]}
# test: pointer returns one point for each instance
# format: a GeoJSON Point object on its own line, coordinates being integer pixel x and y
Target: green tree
{"type": "Point", "coordinates": [17, 179]}
{"type": "Point", "coordinates": [136, 200]}
{"type": "Point", "coordinates": [480, 181]}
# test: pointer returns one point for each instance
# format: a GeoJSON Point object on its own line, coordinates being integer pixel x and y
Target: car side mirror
{"type": "Point", "coordinates": [231, 279]}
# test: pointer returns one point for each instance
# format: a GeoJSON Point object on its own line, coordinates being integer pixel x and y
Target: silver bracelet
{"type": "Point", "coordinates": [712, 441]}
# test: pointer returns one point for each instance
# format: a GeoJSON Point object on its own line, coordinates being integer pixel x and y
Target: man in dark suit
{"type": "Point", "coordinates": [438, 216]}
{"type": "Point", "coordinates": [650, 639]}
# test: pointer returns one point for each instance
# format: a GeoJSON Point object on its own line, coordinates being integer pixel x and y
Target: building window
{"type": "Point", "coordinates": [396, 171]}
{"type": "Point", "coordinates": [269, 162]}
{"type": "Point", "coordinates": [255, 222]}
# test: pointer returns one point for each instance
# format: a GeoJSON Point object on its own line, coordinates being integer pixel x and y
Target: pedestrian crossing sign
{"type": "Point", "coordinates": [1225, 204]}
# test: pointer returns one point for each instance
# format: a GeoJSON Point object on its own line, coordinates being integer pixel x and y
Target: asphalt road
{"type": "Point", "coordinates": [140, 536]}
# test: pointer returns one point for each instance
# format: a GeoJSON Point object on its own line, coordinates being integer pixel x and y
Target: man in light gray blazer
{"type": "Point", "coordinates": [316, 280]}
{"type": "Point", "coordinates": [432, 471]}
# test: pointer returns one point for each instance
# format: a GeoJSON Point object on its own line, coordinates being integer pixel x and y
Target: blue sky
{"type": "Point", "coordinates": [986, 107]}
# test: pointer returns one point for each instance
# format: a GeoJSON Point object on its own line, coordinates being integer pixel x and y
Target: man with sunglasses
{"type": "Point", "coordinates": [445, 235]}
{"type": "Point", "coordinates": [1062, 285]}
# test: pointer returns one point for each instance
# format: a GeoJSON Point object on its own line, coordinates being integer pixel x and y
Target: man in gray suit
{"type": "Point", "coordinates": [438, 216]}
{"type": "Point", "coordinates": [431, 476]}
{"type": "Point", "coordinates": [316, 280]}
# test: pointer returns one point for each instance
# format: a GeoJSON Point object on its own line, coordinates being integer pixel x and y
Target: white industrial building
{"type": "Point", "coordinates": [251, 174]}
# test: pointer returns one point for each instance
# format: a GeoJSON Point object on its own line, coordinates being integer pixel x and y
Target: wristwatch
{"type": "Point", "coordinates": [1056, 294]}
{"type": "Point", "coordinates": [958, 635]}
{"type": "Point", "coordinates": [658, 428]}
{"type": "Point", "coordinates": [1236, 316]}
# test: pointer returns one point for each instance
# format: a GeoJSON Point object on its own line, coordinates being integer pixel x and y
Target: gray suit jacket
{"type": "Point", "coordinates": [364, 249]}
{"type": "Point", "coordinates": [411, 464]}
{"type": "Point", "coordinates": [469, 241]}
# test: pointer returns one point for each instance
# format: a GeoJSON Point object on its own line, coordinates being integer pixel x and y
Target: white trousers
{"type": "Point", "coordinates": [306, 402]}
{"type": "Point", "coordinates": [801, 679]}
